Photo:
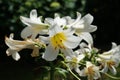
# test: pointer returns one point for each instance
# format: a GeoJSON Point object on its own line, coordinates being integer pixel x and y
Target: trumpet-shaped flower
{"type": "Point", "coordinates": [83, 26]}
{"type": "Point", "coordinates": [15, 46]}
{"type": "Point", "coordinates": [91, 71]}
{"type": "Point", "coordinates": [35, 25]}
{"type": "Point", "coordinates": [59, 39]}
{"type": "Point", "coordinates": [110, 59]}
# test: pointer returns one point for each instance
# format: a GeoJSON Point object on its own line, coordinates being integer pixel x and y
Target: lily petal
{"type": "Point", "coordinates": [50, 53]}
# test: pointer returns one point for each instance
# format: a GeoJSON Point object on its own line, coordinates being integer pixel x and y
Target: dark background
{"type": "Point", "coordinates": [106, 16]}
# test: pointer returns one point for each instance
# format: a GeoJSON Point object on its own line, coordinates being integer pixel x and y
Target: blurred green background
{"type": "Point", "coordinates": [106, 16]}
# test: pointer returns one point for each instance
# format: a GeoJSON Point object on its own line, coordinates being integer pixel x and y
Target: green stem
{"type": "Point", "coordinates": [52, 73]}
{"type": "Point", "coordinates": [71, 72]}
{"type": "Point", "coordinates": [118, 78]}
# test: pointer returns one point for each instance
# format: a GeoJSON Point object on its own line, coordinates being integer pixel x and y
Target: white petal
{"type": "Point", "coordinates": [105, 56]}
{"type": "Point", "coordinates": [44, 39]}
{"type": "Point", "coordinates": [72, 42]}
{"type": "Point", "coordinates": [114, 45]}
{"type": "Point", "coordinates": [9, 51]}
{"type": "Point", "coordinates": [50, 53]}
{"type": "Point", "coordinates": [105, 69]}
{"type": "Point", "coordinates": [87, 37]}
{"type": "Point", "coordinates": [77, 70]}
{"type": "Point", "coordinates": [49, 21]}
{"type": "Point", "coordinates": [16, 56]}
{"type": "Point", "coordinates": [88, 18]}
{"type": "Point", "coordinates": [82, 73]}
{"type": "Point", "coordinates": [88, 64]}
{"type": "Point", "coordinates": [80, 57]}
{"type": "Point", "coordinates": [26, 32]}
{"type": "Point", "coordinates": [97, 75]}
{"type": "Point", "coordinates": [77, 20]}
{"type": "Point", "coordinates": [88, 28]}
{"type": "Point", "coordinates": [68, 52]}
{"type": "Point", "coordinates": [113, 70]}
{"type": "Point", "coordinates": [25, 20]}
{"type": "Point", "coordinates": [33, 14]}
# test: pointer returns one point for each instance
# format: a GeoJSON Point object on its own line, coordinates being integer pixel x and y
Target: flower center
{"type": "Point", "coordinates": [57, 40]}
{"type": "Point", "coordinates": [74, 61]}
{"type": "Point", "coordinates": [110, 63]}
{"type": "Point", "coordinates": [90, 72]}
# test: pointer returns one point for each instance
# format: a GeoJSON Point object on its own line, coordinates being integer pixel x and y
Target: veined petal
{"type": "Point", "coordinates": [50, 53]}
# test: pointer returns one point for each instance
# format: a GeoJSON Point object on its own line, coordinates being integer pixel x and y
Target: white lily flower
{"type": "Point", "coordinates": [91, 71]}
{"type": "Point", "coordinates": [59, 39]}
{"type": "Point", "coordinates": [83, 24]}
{"type": "Point", "coordinates": [35, 25]}
{"type": "Point", "coordinates": [110, 59]}
{"type": "Point", "coordinates": [15, 46]}
{"type": "Point", "coordinates": [73, 61]}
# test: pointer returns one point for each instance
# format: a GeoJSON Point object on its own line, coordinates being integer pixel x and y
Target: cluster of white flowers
{"type": "Point", "coordinates": [64, 35]}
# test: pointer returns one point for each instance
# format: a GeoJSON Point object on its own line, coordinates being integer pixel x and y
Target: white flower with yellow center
{"type": "Point", "coordinates": [110, 59]}
{"type": "Point", "coordinates": [91, 71]}
{"type": "Point", "coordinates": [15, 46]}
{"type": "Point", "coordinates": [35, 25]}
{"type": "Point", "coordinates": [59, 40]}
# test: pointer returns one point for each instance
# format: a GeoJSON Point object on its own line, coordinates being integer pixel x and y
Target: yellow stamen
{"type": "Point", "coordinates": [57, 40]}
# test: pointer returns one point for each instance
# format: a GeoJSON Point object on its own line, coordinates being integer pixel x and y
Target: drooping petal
{"type": "Point", "coordinates": [113, 70]}
{"type": "Point", "coordinates": [97, 75]}
{"type": "Point", "coordinates": [105, 69]}
{"type": "Point", "coordinates": [16, 56]}
{"type": "Point", "coordinates": [50, 53]}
